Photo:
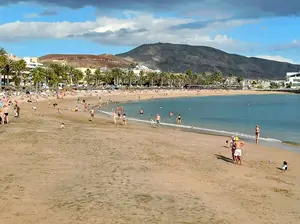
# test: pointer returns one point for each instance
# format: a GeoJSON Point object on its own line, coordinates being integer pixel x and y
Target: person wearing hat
{"type": "Point", "coordinates": [238, 150]}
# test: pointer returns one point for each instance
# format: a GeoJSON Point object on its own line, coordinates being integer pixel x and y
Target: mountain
{"type": "Point", "coordinates": [178, 58]}
{"type": "Point", "coordinates": [87, 60]}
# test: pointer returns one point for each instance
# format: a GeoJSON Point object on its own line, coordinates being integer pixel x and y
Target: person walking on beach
{"type": "Point", "coordinates": [179, 119]}
{"type": "Point", "coordinates": [124, 119]}
{"type": "Point", "coordinates": [257, 133]}
{"type": "Point", "coordinates": [5, 112]}
{"type": "Point", "coordinates": [238, 151]}
{"type": "Point", "coordinates": [18, 110]}
{"type": "Point", "coordinates": [114, 117]}
{"type": "Point", "coordinates": [92, 112]}
{"type": "Point", "coordinates": [157, 119]}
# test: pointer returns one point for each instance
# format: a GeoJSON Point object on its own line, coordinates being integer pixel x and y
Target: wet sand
{"type": "Point", "coordinates": [98, 172]}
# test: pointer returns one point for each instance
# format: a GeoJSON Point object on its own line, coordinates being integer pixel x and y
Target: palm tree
{"type": "Point", "coordinates": [107, 78]}
{"type": "Point", "coordinates": [151, 76]}
{"type": "Point", "coordinates": [239, 79]}
{"type": "Point", "coordinates": [38, 75]}
{"type": "Point", "coordinates": [97, 77]}
{"type": "Point", "coordinates": [52, 78]}
{"type": "Point", "coordinates": [77, 76]}
{"type": "Point", "coordinates": [131, 77]}
{"type": "Point", "coordinates": [117, 74]}
{"type": "Point", "coordinates": [19, 76]}
{"type": "Point", "coordinates": [57, 74]}
{"type": "Point", "coordinates": [88, 76]}
{"type": "Point", "coordinates": [189, 74]}
{"type": "Point", "coordinates": [3, 62]}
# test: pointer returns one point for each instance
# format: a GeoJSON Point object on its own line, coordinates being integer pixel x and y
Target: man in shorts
{"type": "Point", "coordinates": [238, 151]}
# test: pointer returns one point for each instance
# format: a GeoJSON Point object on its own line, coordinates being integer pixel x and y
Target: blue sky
{"type": "Point", "coordinates": [262, 28]}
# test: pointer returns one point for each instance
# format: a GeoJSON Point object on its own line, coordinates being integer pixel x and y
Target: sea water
{"type": "Point", "coordinates": [277, 115]}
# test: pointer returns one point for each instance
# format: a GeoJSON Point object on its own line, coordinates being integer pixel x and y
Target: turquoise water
{"type": "Point", "coordinates": [277, 115]}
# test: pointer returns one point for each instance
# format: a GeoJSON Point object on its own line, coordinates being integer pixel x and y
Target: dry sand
{"type": "Point", "coordinates": [97, 172]}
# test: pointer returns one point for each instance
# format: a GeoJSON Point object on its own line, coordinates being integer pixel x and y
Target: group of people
{"type": "Point", "coordinates": [120, 115]}
{"type": "Point", "coordinates": [236, 146]}
{"type": "Point", "coordinates": [5, 106]}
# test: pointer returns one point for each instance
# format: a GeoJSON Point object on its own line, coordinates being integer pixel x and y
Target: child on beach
{"type": "Point", "coordinates": [62, 126]}
{"type": "Point", "coordinates": [284, 166]}
{"type": "Point", "coordinates": [16, 112]}
{"type": "Point", "coordinates": [124, 119]}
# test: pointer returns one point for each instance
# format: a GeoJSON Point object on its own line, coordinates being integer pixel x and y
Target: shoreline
{"type": "Point", "coordinates": [99, 172]}
{"type": "Point", "coordinates": [269, 142]}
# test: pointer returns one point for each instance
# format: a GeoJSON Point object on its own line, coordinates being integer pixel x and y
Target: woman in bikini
{"type": "Point", "coordinates": [257, 133]}
{"type": "Point", "coordinates": [179, 119]}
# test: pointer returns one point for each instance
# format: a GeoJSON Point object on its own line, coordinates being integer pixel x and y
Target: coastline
{"type": "Point", "coordinates": [271, 142]}
{"type": "Point", "coordinates": [98, 172]}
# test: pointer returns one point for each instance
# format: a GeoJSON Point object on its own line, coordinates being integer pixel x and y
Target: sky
{"type": "Point", "coordinates": [261, 28]}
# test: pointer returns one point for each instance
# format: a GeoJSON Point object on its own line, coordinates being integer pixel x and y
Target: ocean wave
{"type": "Point", "coordinates": [204, 130]}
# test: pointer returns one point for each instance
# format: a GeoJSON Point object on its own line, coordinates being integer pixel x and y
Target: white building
{"type": "Point", "coordinates": [293, 78]}
{"type": "Point", "coordinates": [142, 68]}
{"type": "Point", "coordinates": [13, 57]}
{"type": "Point", "coordinates": [32, 62]}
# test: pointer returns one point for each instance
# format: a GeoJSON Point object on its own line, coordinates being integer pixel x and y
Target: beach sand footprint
{"type": "Point", "coordinates": [278, 180]}
{"type": "Point", "coordinates": [286, 192]}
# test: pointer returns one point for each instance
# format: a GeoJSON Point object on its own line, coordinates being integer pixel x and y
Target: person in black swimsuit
{"type": "Point", "coordinates": [179, 119]}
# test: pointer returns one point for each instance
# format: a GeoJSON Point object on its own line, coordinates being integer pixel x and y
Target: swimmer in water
{"type": "Point", "coordinates": [171, 114]}
{"type": "Point", "coordinates": [141, 111]}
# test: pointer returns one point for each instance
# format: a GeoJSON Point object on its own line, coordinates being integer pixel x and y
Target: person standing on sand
{"type": "Point", "coordinates": [124, 119]}
{"type": "Point", "coordinates": [157, 119]}
{"type": "Point", "coordinates": [92, 112]}
{"type": "Point", "coordinates": [238, 151]}
{"type": "Point", "coordinates": [114, 117]}
{"type": "Point", "coordinates": [5, 111]}
{"type": "Point", "coordinates": [179, 119]}
{"type": "Point", "coordinates": [18, 110]}
{"type": "Point", "coordinates": [257, 133]}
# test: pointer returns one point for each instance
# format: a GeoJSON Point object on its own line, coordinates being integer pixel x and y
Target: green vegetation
{"type": "Point", "coordinates": [274, 85]}
{"type": "Point", "coordinates": [54, 75]}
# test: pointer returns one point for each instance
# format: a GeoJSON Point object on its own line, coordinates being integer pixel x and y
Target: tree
{"type": "Point", "coordinates": [274, 85]}
{"type": "Point", "coordinates": [88, 76]}
{"type": "Point", "coordinates": [52, 78]}
{"type": "Point", "coordinates": [189, 74]}
{"type": "Point", "coordinates": [20, 76]}
{"type": "Point", "coordinates": [97, 77]}
{"type": "Point", "coordinates": [77, 76]}
{"type": "Point", "coordinates": [107, 78]}
{"type": "Point", "coordinates": [289, 85]}
{"type": "Point", "coordinates": [3, 62]}
{"type": "Point", "coordinates": [57, 74]}
{"type": "Point", "coordinates": [151, 76]}
{"type": "Point", "coordinates": [239, 79]}
{"type": "Point", "coordinates": [116, 74]}
{"type": "Point", "coordinates": [38, 75]}
{"type": "Point", "coordinates": [131, 77]}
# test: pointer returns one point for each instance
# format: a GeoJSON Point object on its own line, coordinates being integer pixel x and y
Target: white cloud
{"type": "Point", "coordinates": [135, 29]}
{"type": "Point", "coordinates": [32, 15]}
{"type": "Point", "coordinates": [277, 58]}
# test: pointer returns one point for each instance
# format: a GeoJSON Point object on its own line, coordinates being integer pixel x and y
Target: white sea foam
{"type": "Point", "coordinates": [205, 130]}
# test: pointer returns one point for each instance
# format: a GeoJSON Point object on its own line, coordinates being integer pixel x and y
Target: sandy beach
{"type": "Point", "coordinates": [100, 173]}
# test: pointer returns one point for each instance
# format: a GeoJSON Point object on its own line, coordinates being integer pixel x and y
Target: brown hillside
{"type": "Point", "coordinates": [87, 60]}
